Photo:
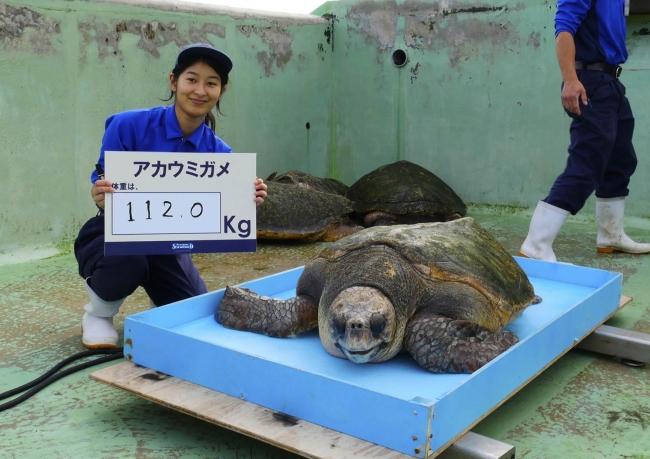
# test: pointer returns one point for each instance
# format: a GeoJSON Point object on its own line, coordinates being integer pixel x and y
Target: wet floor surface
{"type": "Point", "coordinates": [583, 406]}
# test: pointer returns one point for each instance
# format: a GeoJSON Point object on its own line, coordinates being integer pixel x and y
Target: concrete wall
{"type": "Point", "coordinates": [67, 65]}
{"type": "Point", "coordinates": [478, 102]}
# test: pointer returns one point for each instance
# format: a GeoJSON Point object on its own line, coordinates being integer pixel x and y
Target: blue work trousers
{"type": "Point", "coordinates": [165, 278]}
{"type": "Point", "coordinates": [601, 155]}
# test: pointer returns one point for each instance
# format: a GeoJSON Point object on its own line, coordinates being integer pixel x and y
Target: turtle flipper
{"type": "Point", "coordinates": [444, 345]}
{"type": "Point", "coordinates": [243, 309]}
{"type": "Point", "coordinates": [338, 230]}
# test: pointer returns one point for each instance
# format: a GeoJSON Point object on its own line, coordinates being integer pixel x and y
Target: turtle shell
{"type": "Point", "coordinates": [459, 251]}
{"type": "Point", "coordinates": [296, 177]}
{"type": "Point", "coordinates": [295, 212]}
{"type": "Point", "coordinates": [405, 188]}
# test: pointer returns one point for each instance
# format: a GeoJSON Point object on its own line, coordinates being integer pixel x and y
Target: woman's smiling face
{"type": "Point", "coordinates": [197, 90]}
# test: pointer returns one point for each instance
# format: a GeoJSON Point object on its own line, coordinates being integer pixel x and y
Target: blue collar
{"type": "Point", "coordinates": [173, 129]}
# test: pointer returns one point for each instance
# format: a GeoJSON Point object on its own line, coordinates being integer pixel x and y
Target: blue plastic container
{"type": "Point", "coordinates": [395, 404]}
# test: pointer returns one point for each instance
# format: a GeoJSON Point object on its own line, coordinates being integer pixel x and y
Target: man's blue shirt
{"type": "Point", "coordinates": [598, 28]}
{"type": "Point", "coordinates": [155, 129]}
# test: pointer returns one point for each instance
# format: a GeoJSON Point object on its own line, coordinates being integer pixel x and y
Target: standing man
{"type": "Point", "coordinates": [590, 46]}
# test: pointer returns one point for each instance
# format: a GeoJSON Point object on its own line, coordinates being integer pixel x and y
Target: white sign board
{"type": "Point", "coordinates": [167, 203]}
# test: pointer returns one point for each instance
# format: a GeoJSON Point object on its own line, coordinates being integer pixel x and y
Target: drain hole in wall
{"type": "Point", "coordinates": [400, 58]}
{"type": "Point", "coordinates": [307, 126]}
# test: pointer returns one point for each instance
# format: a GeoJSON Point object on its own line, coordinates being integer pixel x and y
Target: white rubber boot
{"type": "Point", "coordinates": [544, 226]}
{"type": "Point", "coordinates": [611, 236]}
{"type": "Point", "coordinates": [97, 322]}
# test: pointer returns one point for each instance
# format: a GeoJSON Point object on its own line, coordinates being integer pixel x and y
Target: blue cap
{"type": "Point", "coordinates": [203, 49]}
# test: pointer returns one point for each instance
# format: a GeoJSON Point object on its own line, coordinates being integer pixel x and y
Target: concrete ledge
{"type": "Point", "coordinates": [236, 13]}
{"type": "Point", "coordinates": [15, 255]}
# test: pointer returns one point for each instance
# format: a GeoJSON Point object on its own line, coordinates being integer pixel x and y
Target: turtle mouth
{"type": "Point", "coordinates": [361, 356]}
{"type": "Point", "coordinates": [361, 353]}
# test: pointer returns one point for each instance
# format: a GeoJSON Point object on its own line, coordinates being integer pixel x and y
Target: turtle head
{"type": "Point", "coordinates": [360, 326]}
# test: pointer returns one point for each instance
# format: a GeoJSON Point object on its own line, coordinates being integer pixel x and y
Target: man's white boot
{"type": "Point", "coordinates": [544, 226]}
{"type": "Point", "coordinates": [611, 236]}
{"type": "Point", "coordinates": [97, 322]}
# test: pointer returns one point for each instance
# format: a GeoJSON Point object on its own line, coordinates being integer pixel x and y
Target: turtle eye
{"type": "Point", "coordinates": [339, 324]}
{"type": "Point", "coordinates": [377, 324]}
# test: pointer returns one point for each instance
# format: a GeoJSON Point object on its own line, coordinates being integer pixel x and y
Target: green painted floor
{"type": "Point", "coordinates": [583, 406]}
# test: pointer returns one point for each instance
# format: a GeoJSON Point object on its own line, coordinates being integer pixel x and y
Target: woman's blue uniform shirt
{"type": "Point", "coordinates": [155, 129]}
{"type": "Point", "coordinates": [598, 28]}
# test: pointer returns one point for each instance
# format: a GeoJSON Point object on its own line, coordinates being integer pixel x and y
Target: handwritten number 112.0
{"type": "Point", "coordinates": [169, 204]}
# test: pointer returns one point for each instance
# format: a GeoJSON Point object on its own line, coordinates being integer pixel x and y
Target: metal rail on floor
{"type": "Point", "coordinates": [475, 446]}
{"type": "Point", "coordinates": [630, 346]}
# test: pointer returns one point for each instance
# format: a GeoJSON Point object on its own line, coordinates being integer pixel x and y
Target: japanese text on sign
{"type": "Point", "coordinates": [160, 169]}
{"type": "Point", "coordinates": [180, 200]}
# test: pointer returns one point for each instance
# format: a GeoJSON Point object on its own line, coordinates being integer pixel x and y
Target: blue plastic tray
{"type": "Point", "coordinates": [395, 404]}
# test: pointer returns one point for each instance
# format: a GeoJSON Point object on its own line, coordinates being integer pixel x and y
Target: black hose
{"type": "Point", "coordinates": [48, 378]}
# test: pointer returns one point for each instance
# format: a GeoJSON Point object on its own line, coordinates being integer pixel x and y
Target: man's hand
{"type": "Point", "coordinates": [97, 191]}
{"type": "Point", "coordinates": [573, 91]}
{"type": "Point", "coordinates": [572, 94]}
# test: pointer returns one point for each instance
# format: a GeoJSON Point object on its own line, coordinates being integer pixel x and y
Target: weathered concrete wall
{"type": "Point", "coordinates": [67, 65]}
{"type": "Point", "coordinates": [478, 102]}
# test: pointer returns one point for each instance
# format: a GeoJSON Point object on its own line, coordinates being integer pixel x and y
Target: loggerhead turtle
{"type": "Point", "coordinates": [297, 212]}
{"type": "Point", "coordinates": [401, 193]}
{"type": "Point", "coordinates": [441, 291]}
{"type": "Point", "coordinates": [296, 177]}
